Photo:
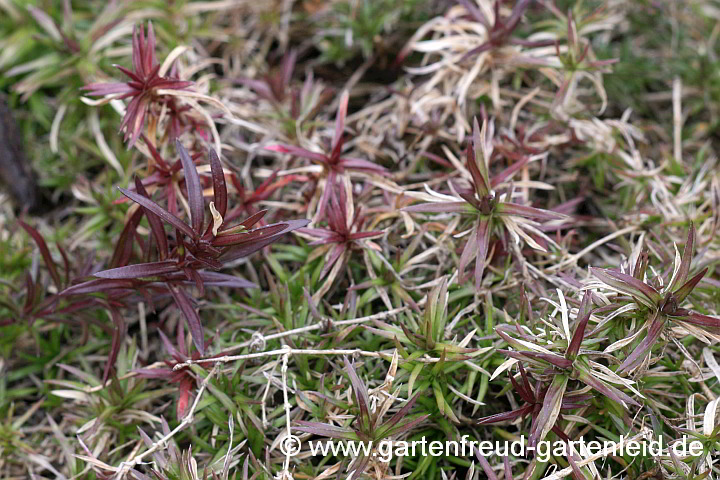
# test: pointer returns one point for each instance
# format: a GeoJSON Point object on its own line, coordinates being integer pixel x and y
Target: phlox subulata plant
{"type": "Point", "coordinates": [142, 88]}
{"type": "Point", "coordinates": [343, 234]}
{"type": "Point", "coordinates": [659, 305]}
{"type": "Point", "coordinates": [368, 425]}
{"type": "Point", "coordinates": [334, 164]}
{"type": "Point", "coordinates": [485, 212]}
{"type": "Point", "coordinates": [196, 249]}
{"type": "Point", "coordinates": [493, 245]}
{"type": "Point", "coordinates": [162, 106]}
{"type": "Point", "coordinates": [188, 255]}
{"type": "Point", "coordinates": [559, 368]}
{"type": "Point", "coordinates": [500, 31]}
{"type": "Point", "coordinates": [423, 336]}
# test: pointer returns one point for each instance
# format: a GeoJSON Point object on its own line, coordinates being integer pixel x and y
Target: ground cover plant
{"type": "Point", "coordinates": [233, 228]}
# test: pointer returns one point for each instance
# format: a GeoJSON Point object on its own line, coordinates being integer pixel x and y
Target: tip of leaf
{"type": "Point", "coordinates": [276, 148]}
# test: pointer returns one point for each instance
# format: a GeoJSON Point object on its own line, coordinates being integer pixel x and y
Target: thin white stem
{"type": "Point", "coordinates": [318, 326]}
{"type": "Point", "coordinates": [305, 351]}
{"type": "Point", "coordinates": [677, 119]}
{"type": "Point", "coordinates": [286, 401]}
{"type": "Point", "coordinates": [282, 351]}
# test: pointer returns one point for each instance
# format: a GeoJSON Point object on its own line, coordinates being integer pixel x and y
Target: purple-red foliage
{"type": "Point", "coordinates": [142, 86]}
